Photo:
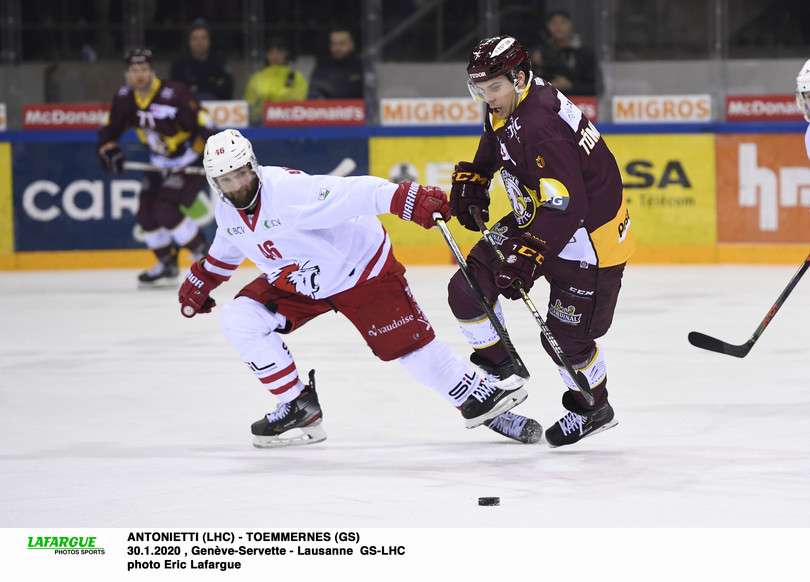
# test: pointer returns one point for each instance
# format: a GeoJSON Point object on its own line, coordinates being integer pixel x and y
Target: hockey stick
{"type": "Point", "coordinates": [520, 369]}
{"type": "Point", "coordinates": [579, 377]}
{"type": "Point", "coordinates": [703, 341]}
{"type": "Point", "coordinates": [140, 166]}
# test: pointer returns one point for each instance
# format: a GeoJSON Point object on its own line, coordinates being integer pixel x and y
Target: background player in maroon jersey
{"type": "Point", "coordinates": [171, 124]}
{"type": "Point", "coordinates": [569, 223]}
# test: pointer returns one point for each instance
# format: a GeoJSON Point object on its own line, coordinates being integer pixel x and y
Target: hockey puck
{"type": "Point", "coordinates": [489, 501]}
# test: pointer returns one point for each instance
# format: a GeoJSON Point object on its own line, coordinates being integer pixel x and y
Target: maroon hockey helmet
{"type": "Point", "coordinates": [138, 56]}
{"type": "Point", "coordinates": [499, 55]}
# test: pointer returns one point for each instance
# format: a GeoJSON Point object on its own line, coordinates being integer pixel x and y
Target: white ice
{"type": "Point", "coordinates": [117, 412]}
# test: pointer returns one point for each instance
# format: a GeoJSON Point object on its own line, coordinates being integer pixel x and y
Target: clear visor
{"type": "Point", "coordinates": [496, 88]}
{"type": "Point", "coordinates": [803, 101]}
{"type": "Point", "coordinates": [235, 187]}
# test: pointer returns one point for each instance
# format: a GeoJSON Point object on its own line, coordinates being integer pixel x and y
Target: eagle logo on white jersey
{"type": "Point", "coordinates": [298, 278]}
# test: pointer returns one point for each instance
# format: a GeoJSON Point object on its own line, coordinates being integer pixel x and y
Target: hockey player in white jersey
{"type": "Point", "coordinates": [321, 247]}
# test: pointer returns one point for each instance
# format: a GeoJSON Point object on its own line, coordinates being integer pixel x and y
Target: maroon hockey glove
{"type": "Point", "coordinates": [470, 188]}
{"type": "Point", "coordinates": [193, 295]}
{"type": "Point", "coordinates": [522, 258]}
{"type": "Point", "coordinates": [418, 203]}
{"type": "Point", "coordinates": [111, 157]}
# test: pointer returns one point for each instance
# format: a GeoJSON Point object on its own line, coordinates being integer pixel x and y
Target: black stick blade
{"type": "Point", "coordinates": [705, 342]}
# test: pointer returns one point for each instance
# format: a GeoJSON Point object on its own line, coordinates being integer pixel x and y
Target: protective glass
{"type": "Point", "coordinates": [496, 88]}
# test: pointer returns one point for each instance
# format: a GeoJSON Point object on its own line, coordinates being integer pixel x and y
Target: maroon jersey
{"type": "Point", "coordinates": [563, 182]}
{"type": "Point", "coordinates": [168, 120]}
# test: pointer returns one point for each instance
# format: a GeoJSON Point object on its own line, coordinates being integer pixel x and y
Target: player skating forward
{"type": "Point", "coordinates": [569, 223]}
{"type": "Point", "coordinates": [321, 247]}
{"type": "Point", "coordinates": [803, 100]}
{"type": "Point", "coordinates": [171, 124]}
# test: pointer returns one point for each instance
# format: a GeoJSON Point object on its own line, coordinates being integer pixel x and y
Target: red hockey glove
{"type": "Point", "coordinates": [194, 291]}
{"type": "Point", "coordinates": [470, 188]}
{"type": "Point", "coordinates": [522, 258]}
{"type": "Point", "coordinates": [418, 203]}
{"type": "Point", "coordinates": [111, 157]}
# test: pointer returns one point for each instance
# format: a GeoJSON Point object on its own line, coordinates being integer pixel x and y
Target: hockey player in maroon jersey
{"type": "Point", "coordinates": [569, 223]}
{"type": "Point", "coordinates": [321, 248]}
{"type": "Point", "coordinates": [171, 124]}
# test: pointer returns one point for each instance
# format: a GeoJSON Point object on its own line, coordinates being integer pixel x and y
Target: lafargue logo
{"type": "Point", "coordinates": [375, 331]}
{"type": "Point", "coordinates": [66, 545]}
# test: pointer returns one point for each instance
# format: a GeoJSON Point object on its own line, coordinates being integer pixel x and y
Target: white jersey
{"type": "Point", "coordinates": [314, 235]}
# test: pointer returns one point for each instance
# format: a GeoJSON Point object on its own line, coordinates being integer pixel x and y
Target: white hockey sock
{"type": "Point", "coordinates": [184, 232]}
{"type": "Point", "coordinates": [435, 365]}
{"type": "Point", "coordinates": [480, 332]}
{"type": "Point", "coordinates": [595, 370]}
{"type": "Point", "coordinates": [250, 328]}
{"type": "Point", "coordinates": [157, 239]}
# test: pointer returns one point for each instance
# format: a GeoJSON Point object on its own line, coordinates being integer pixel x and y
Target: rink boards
{"type": "Point", "coordinates": [697, 193]}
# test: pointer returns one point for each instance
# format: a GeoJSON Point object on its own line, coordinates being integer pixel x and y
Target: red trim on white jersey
{"type": "Point", "coordinates": [378, 262]}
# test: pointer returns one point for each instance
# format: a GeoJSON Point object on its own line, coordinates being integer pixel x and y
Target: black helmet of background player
{"type": "Point", "coordinates": [496, 56]}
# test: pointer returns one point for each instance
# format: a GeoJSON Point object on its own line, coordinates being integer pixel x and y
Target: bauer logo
{"type": "Point", "coordinates": [66, 545]}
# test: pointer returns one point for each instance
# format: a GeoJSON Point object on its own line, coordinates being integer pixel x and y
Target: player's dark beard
{"type": "Point", "coordinates": [242, 197]}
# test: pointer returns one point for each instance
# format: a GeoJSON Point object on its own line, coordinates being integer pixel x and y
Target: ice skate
{"type": "Point", "coordinates": [163, 273]}
{"type": "Point", "coordinates": [292, 423]}
{"type": "Point", "coordinates": [486, 402]}
{"type": "Point", "coordinates": [579, 422]}
{"type": "Point", "coordinates": [516, 427]}
{"type": "Point", "coordinates": [505, 377]}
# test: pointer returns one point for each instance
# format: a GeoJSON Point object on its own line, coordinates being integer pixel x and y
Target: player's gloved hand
{"type": "Point", "coordinates": [470, 188]}
{"type": "Point", "coordinates": [195, 290]}
{"type": "Point", "coordinates": [111, 157]}
{"type": "Point", "coordinates": [522, 258]}
{"type": "Point", "coordinates": [418, 203]}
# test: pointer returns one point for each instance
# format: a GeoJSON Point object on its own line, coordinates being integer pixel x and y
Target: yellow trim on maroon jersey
{"type": "Point", "coordinates": [496, 121]}
{"type": "Point", "coordinates": [143, 102]}
{"type": "Point", "coordinates": [614, 241]}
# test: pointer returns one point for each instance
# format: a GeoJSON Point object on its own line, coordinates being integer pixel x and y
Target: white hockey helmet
{"type": "Point", "coordinates": [226, 151]}
{"type": "Point", "coordinates": [803, 90]}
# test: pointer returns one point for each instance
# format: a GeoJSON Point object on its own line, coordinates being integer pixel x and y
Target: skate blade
{"type": "Point", "coordinates": [306, 436]}
{"type": "Point", "coordinates": [611, 424]}
{"type": "Point", "coordinates": [507, 403]}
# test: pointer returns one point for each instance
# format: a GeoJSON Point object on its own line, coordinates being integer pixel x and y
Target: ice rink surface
{"type": "Point", "coordinates": [117, 412]}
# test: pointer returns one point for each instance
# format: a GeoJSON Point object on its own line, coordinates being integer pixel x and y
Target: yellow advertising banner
{"type": "Point", "coordinates": [669, 185]}
{"type": "Point", "coordinates": [6, 203]}
{"type": "Point", "coordinates": [669, 182]}
{"type": "Point", "coordinates": [429, 161]}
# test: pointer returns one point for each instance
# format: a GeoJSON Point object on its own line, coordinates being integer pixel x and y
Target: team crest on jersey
{"type": "Point", "coordinates": [498, 233]}
{"type": "Point", "coordinates": [564, 314]}
{"type": "Point", "coordinates": [523, 200]}
{"type": "Point", "coordinates": [297, 278]}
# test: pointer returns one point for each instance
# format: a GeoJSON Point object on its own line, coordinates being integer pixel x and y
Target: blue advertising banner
{"type": "Point", "coordinates": [62, 200]}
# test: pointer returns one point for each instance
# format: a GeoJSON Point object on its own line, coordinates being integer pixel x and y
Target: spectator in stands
{"type": "Point", "coordinates": [569, 65]}
{"type": "Point", "coordinates": [206, 76]}
{"type": "Point", "coordinates": [277, 81]}
{"type": "Point", "coordinates": [340, 74]}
